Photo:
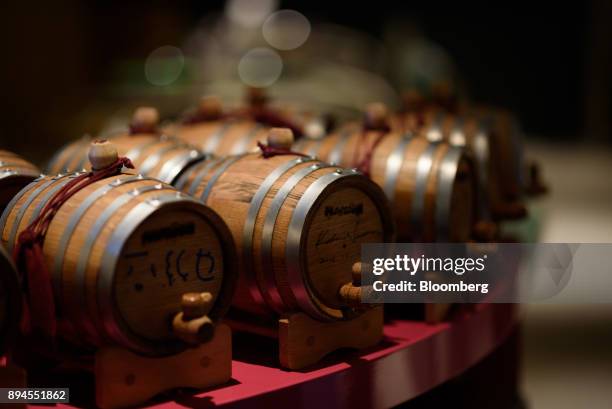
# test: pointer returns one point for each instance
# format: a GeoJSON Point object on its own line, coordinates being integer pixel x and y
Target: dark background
{"type": "Point", "coordinates": [549, 62]}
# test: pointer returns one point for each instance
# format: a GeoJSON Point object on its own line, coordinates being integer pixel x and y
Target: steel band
{"type": "Point", "coordinates": [242, 145]}
{"type": "Point", "coordinates": [193, 168]}
{"type": "Point", "coordinates": [75, 218]}
{"type": "Point", "coordinates": [447, 174]}
{"type": "Point", "coordinates": [394, 166]}
{"type": "Point", "coordinates": [215, 139]}
{"type": "Point", "coordinates": [227, 162]}
{"type": "Point", "coordinates": [151, 162]}
{"type": "Point", "coordinates": [481, 149]}
{"type": "Point", "coordinates": [47, 196]}
{"type": "Point", "coordinates": [175, 166]}
{"type": "Point", "coordinates": [249, 225]}
{"type": "Point", "coordinates": [457, 135]}
{"type": "Point", "coordinates": [423, 172]}
{"type": "Point", "coordinates": [90, 239]}
{"type": "Point", "coordinates": [17, 171]}
{"type": "Point", "coordinates": [297, 283]}
{"type": "Point", "coordinates": [204, 169]}
{"type": "Point", "coordinates": [56, 157]}
{"type": "Point", "coordinates": [109, 317]}
{"type": "Point", "coordinates": [434, 133]}
{"type": "Point", "coordinates": [269, 286]}
{"type": "Point", "coordinates": [25, 206]}
{"type": "Point", "coordinates": [80, 149]}
{"type": "Point", "coordinates": [336, 154]}
{"type": "Point", "coordinates": [14, 201]}
{"type": "Point", "coordinates": [134, 153]}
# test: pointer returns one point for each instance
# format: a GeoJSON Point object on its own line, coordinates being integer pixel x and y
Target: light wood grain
{"type": "Point", "coordinates": [304, 341]}
{"type": "Point", "coordinates": [124, 379]}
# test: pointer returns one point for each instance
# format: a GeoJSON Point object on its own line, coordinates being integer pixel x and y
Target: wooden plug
{"type": "Point", "coordinates": [192, 325]}
{"type": "Point", "coordinates": [280, 138]}
{"type": "Point", "coordinates": [210, 107]}
{"type": "Point", "coordinates": [102, 154]}
{"type": "Point", "coordinates": [535, 185]}
{"type": "Point", "coordinates": [376, 115]}
{"type": "Point", "coordinates": [256, 97]}
{"type": "Point", "coordinates": [145, 120]}
{"type": "Point", "coordinates": [352, 293]}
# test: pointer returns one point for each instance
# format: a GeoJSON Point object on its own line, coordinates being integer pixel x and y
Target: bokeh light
{"type": "Point", "coordinates": [286, 29]}
{"type": "Point", "coordinates": [164, 65]}
{"type": "Point", "coordinates": [249, 13]}
{"type": "Point", "coordinates": [260, 67]}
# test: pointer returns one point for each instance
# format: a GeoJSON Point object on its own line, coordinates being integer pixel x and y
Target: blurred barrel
{"type": "Point", "coordinates": [431, 186]}
{"type": "Point", "coordinates": [497, 155]}
{"type": "Point", "coordinates": [122, 252]}
{"type": "Point", "coordinates": [219, 132]}
{"type": "Point", "coordinates": [15, 173]}
{"type": "Point", "coordinates": [153, 154]}
{"type": "Point", "coordinates": [10, 301]}
{"type": "Point", "coordinates": [298, 224]}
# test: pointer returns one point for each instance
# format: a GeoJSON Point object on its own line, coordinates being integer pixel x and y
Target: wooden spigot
{"type": "Point", "coordinates": [376, 115]}
{"type": "Point", "coordinates": [352, 293]}
{"type": "Point", "coordinates": [144, 120]}
{"type": "Point", "coordinates": [280, 138]}
{"type": "Point", "coordinates": [210, 107]}
{"type": "Point", "coordinates": [192, 325]}
{"type": "Point", "coordinates": [102, 154]}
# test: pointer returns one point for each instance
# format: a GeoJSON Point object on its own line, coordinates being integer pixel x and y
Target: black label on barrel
{"type": "Point", "coordinates": [352, 208]}
{"type": "Point", "coordinates": [170, 232]}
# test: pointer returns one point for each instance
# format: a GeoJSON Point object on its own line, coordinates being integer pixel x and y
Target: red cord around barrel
{"type": "Point", "coordinates": [30, 260]}
{"type": "Point", "coordinates": [362, 159]}
{"type": "Point", "coordinates": [270, 151]}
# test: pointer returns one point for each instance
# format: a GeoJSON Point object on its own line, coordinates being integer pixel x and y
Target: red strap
{"type": "Point", "coordinates": [270, 151]}
{"type": "Point", "coordinates": [362, 159]}
{"type": "Point", "coordinates": [30, 260]}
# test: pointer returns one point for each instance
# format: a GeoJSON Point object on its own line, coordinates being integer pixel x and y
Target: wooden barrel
{"type": "Point", "coordinates": [505, 128]}
{"type": "Point", "coordinates": [298, 224]}
{"type": "Point", "coordinates": [122, 252]}
{"type": "Point", "coordinates": [496, 156]}
{"type": "Point", "coordinates": [233, 133]}
{"type": "Point", "coordinates": [15, 173]}
{"type": "Point", "coordinates": [431, 186]}
{"type": "Point", "coordinates": [10, 301]}
{"type": "Point", "coordinates": [159, 156]}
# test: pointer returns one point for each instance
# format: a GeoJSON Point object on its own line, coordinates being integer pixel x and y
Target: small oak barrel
{"type": "Point", "coordinates": [122, 252]}
{"type": "Point", "coordinates": [221, 133]}
{"type": "Point", "coordinates": [497, 155]}
{"type": "Point", "coordinates": [15, 173]}
{"type": "Point", "coordinates": [431, 186]}
{"type": "Point", "coordinates": [153, 154]}
{"type": "Point", "coordinates": [10, 301]}
{"type": "Point", "coordinates": [298, 224]}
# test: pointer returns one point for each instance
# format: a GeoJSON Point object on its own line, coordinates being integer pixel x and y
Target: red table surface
{"type": "Point", "coordinates": [413, 358]}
